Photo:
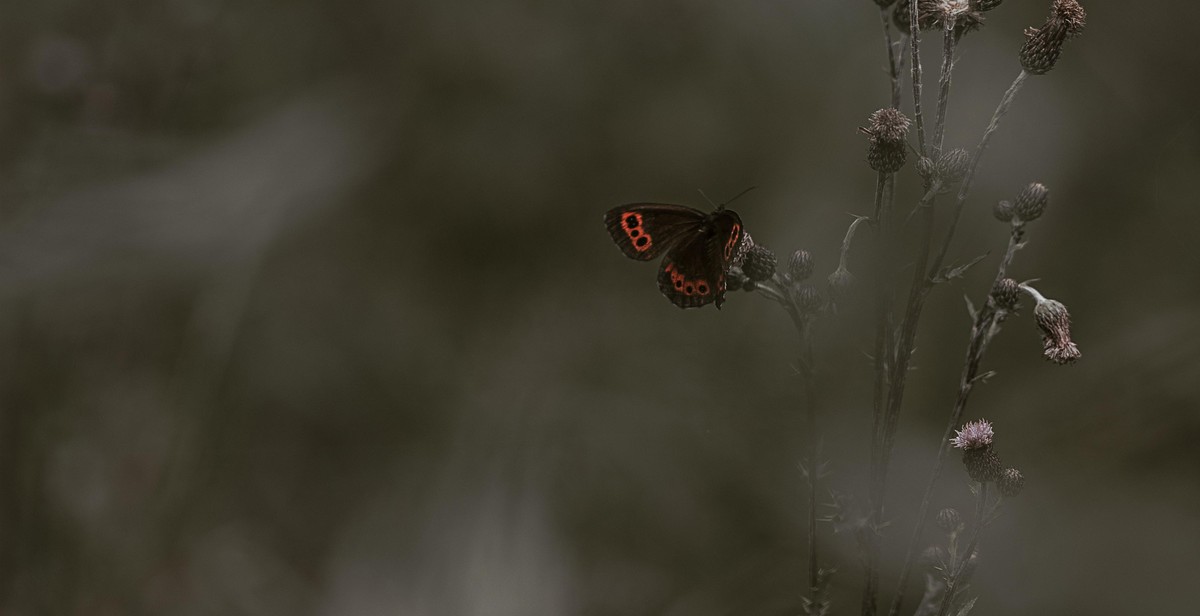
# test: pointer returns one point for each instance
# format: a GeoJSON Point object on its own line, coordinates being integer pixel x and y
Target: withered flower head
{"type": "Point", "coordinates": [974, 435]}
{"type": "Point", "coordinates": [800, 267]}
{"type": "Point", "coordinates": [1031, 202]}
{"type": "Point", "coordinates": [1054, 320]}
{"type": "Point", "coordinates": [759, 263]}
{"type": "Point", "coordinates": [887, 150]}
{"type": "Point", "coordinates": [1011, 482]}
{"type": "Point", "coordinates": [1044, 45]}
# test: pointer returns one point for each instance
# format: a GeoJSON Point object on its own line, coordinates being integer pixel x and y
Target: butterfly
{"type": "Point", "coordinates": [700, 247]}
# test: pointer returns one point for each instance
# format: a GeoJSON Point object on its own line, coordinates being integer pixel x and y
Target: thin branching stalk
{"type": "Point", "coordinates": [984, 328]}
{"type": "Point", "coordinates": [893, 61]}
{"type": "Point", "coordinates": [965, 189]}
{"type": "Point", "coordinates": [956, 575]}
{"type": "Point", "coordinates": [939, 123]}
{"type": "Point", "coordinates": [914, 39]}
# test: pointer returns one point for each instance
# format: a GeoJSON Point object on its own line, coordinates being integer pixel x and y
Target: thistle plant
{"type": "Point", "coordinates": [917, 231]}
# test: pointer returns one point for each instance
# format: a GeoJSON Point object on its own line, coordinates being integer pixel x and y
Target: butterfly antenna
{"type": "Point", "coordinates": [710, 201]}
{"type": "Point", "coordinates": [735, 197]}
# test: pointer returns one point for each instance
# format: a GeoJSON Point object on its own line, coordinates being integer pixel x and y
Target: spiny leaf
{"type": "Point", "coordinates": [950, 273]}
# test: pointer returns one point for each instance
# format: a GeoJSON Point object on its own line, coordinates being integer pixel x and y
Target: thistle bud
{"type": "Point", "coordinates": [800, 267]}
{"type": "Point", "coordinates": [926, 168]}
{"type": "Point", "coordinates": [953, 165]}
{"type": "Point", "coordinates": [1007, 294]}
{"type": "Point", "coordinates": [1011, 482]}
{"type": "Point", "coordinates": [887, 149]}
{"type": "Point", "coordinates": [1003, 211]}
{"type": "Point", "coordinates": [807, 299]}
{"type": "Point", "coordinates": [982, 465]}
{"type": "Point", "coordinates": [759, 263]}
{"type": "Point", "coordinates": [975, 439]}
{"type": "Point", "coordinates": [1054, 320]}
{"type": "Point", "coordinates": [949, 520]}
{"type": "Point", "coordinates": [1044, 45]}
{"type": "Point", "coordinates": [935, 14]}
{"type": "Point", "coordinates": [1031, 202]}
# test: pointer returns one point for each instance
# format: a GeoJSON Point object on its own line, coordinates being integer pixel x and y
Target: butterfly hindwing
{"type": "Point", "coordinates": [693, 272]}
{"type": "Point", "coordinates": [644, 231]}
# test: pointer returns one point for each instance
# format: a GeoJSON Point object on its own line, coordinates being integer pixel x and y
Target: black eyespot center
{"type": "Point", "coordinates": [634, 233]}
{"type": "Point", "coordinates": [678, 284]}
{"type": "Point", "coordinates": [642, 241]}
{"type": "Point", "coordinates": [632, 221]}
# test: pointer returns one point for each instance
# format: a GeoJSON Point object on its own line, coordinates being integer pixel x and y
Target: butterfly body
{"type": "Point", "coordinates": [699, 247]}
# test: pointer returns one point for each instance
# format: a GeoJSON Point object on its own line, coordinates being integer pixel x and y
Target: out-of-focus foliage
{"type": "Point", "coordinates": [307, 307]}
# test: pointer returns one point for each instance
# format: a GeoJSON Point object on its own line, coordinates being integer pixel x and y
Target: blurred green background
{"type": "Point", "coordinates": [307, 308]}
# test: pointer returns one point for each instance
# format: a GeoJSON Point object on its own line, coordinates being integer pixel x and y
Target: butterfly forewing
{"type": "Point", "coordinates": [644, 231]}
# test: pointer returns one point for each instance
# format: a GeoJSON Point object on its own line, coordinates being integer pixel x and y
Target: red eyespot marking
{"type": "Point", "coordinates": [731, 242]}
{"type": "Point", "coordinates": [686, 286]}
{"type": "Point", "coordinates": [631, 224]}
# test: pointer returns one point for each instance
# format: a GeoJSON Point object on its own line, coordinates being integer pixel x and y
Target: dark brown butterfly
{"type": "Point", "coordinates": [699, 247]}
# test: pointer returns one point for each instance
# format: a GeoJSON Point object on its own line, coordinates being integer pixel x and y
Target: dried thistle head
{"type": "Point", "coordinates": [1054, 321]}
{"type": "Point", "coordinates": [807, 299]}
{"type": "Point", "coordinates": [886, 130]}
{"type": "Point", "coordinates": [741, 250]}
{"type": "Point", "coordinates": [1044, 45]}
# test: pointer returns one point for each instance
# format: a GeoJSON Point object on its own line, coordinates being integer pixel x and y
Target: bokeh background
{"type": "Point", "coordinates": [307, 308]}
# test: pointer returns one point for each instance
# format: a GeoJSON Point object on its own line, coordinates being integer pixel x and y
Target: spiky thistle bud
{"type": "Point", "coordinates": [1003, 211]}
{"type": "Point", "coordinates": [887, 150]}
{"type": "Point", "coordinates": [759, 263]}
{"type": "Point", "coordinates": [1054, 321]}
{"type": "Point", "coordinates": [953, 165]}
{"type": "Point", "coordinates": [1007, 294]}
{"type": "Point", "coordinates": [807, 299]}
{"type": "Point", "coordinates": [1031, 202]}
{"type": "Point", "coordinates": [800, 266]}
{"type": "Point", "coordinates": [948, 520]}
{"type": "Point", "coordinates": [1011, 482]}
{"type": "Point", "coordinates": [1044, 45]}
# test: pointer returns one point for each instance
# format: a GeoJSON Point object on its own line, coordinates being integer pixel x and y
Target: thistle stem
{"type": "Point", "coordinates": [956, 576]}
{"type": "Point", "coordinates": [939, 123]}
{"type": "Point", "coordinates": [984, 328]}
{"type": "Point", "coordinates": [893, 61]}
{"type": "Point", "coordinates": [914, 38]}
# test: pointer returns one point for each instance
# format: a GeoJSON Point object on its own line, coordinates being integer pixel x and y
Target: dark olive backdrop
{"type": "Point", "coordinates": [307, 308]}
